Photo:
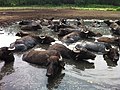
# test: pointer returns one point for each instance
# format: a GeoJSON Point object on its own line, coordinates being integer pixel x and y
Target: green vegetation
{"type": "Point", "coordinates": [86, 7]}
{"type": "Point", "coordinates": [57, 2]}
{"type": "Point", "coordinates": [107, 5]}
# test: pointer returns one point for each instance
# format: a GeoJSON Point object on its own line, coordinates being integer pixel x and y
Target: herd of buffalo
{"type": "Point", "coordinates": [53, 57]}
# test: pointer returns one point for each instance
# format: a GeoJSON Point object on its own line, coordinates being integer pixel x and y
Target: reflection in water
{"type": "Point", "coordinates": [82, 65]}
{"type": "Point", "coordinates": [54, 82]}
{"type": "Point", "coordinates": [110, 62]}
{"type": "Point", "coordinates": [6, 69]}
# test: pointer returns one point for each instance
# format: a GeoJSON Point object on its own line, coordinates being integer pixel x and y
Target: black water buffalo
{"type": "Point", "coordinates": [71, 37]}
{"type": "Point", "coordinates": [77, 35]}
{"type": "Point", "coordinates": [115, 29]}
{"type": "Point", "coordinates": [72, 54]}
{"type": "Point", "coordinates": [22, 33]}
{"type": "Point", "coordinates": [114, 25]}
{"type": "Point", "coordinates": [49, 58]}
{"type": "Point", "coordinates": [79, 22]}
{"type": "Point", "coordinates": [111, 55]}
{"type": "Point", "coordinates": [25, 22]}
{"type": "Point", "coordinates": [108, 22]}
{"type": "Point", "coordinates": [29, 41]}
{"type": "Point", "coordinates": [65, 31]}
{"type": "Point", "coordinates": [96, 24]}
{"type": "Point", "coordinates": [63, 21]}
{"type": "Point", "coordinates": [30, 25]}
{"type": "Point", "coordinates": [6, 54]}
{"type": "Point", "coordinates": [46, 22]}
{"type": "Point", "coordinates": [56, 26]}
{"type": "Point", "coordinates": [118, 22]}
{"type": "Point", "coordinates": [93, 46]}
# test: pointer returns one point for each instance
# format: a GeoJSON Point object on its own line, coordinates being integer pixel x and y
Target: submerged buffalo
{"type": "Point", "coordinates": [77, 35]}
{"type": "Point", "coordinates": [65, 31]}
{"type": "Point", "coordinates": [49, 58]}
{"type": "Point", "coordinates": [93, 46]}
{"type": "Point", "coordinates": [112, 40]}
{"type": "Point", "coordinates": [6, 54]}
{"type": "Point", "coordinates": [65, 52]}
{"type": "Point", "coordinates": [71, 38]}
{"type": "Point", "coordinates": [115, 29]}
{"type": "Point", "coordinates": [57, 25]}
{"type": "Point", "coordinates": [29, 25]}
{"type": "Point", "coordinates": [114, 25]}
{"type": "Point", "coordinates": [30, 41]}
{"type": "Point", "coordinates": [25, 22]}
{"type": "Point", "coordinates": [22, 33]}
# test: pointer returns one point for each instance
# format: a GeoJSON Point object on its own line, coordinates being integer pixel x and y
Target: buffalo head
{"type": "Point", "coordinates": [108, 22]}
{"type": "Point", "coordinates": [46, 39]}
{"type": "Point", "coordinates": [54, 66]}
{"type": "Point", "coordinates": [82, 53]}
{"type": "Point", "coordinates": [112, 54]}
{"type": "Point", "coordinates": [6, 54]}
{"type": "Point", "coordinates": [22, 34]}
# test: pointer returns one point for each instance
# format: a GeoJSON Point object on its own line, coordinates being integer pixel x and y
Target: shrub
{"type": "Point", "coordinates": [118, 9]}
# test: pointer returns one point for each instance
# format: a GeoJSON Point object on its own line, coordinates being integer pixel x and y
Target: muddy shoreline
{"type": "Point", "coordinates": [10, 16]}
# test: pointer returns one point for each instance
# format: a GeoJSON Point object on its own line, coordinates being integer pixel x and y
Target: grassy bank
{"type": "Point", "coordinates": [86, 7]}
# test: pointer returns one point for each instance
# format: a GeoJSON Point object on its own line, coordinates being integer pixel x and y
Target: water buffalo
{"type": "Point", "coordinates": [6, 54]}
{"type": "Point", "coordinates": [65, 31]}
{"type": "Point", "coordinates": [111, 55]}
{"type": "Point", "coordinates": [46, 22]}
{"type": "Point", "coordinates": [105, 39]}
{"type": "Point", "coordinates": [76, 35]}
{"type": "Point", "coordinates": [108, 22]}
{"type": "Point", "coordinates": [63, 21]}
{"type": "Point", "coordinates": [115, 29]}
{"type": "Point", "coordinates": [71, 38]}
{"type": "Point", "coordinates": [22, 33]}
{"type": "Point", "coordinates": [72, 54]}
{"type": "Point", "coordinates": [113, 40]}
{"type": "Point", "coordinates": [118, 22]}
{"type": "Point", "coordinates": [58, 25]}
{"type": "Point", "coordinates": [96, 24]}
{"type": "Point", "coordinates": [49, 58]}
{"type": "Point", "coordinates": [30, 27]}
{"type": "Point", "coordinates": [25, 22]}
{"type": "Point", "coordinates": [79, 22]}
{"type": "Point", "coordinates": [93, 46]}
{"type": "Point", "coordinates": [29, 41]}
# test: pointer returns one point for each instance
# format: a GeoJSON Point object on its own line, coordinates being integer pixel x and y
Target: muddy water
{"type": "Point", "coordinates": [91, 75]}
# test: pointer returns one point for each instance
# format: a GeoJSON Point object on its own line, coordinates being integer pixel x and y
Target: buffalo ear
{"type": "Point", "coordinates": [62, 64]}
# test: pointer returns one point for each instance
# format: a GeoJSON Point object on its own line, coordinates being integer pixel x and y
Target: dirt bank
{"type": "Point", "coordinates": [9, 16]}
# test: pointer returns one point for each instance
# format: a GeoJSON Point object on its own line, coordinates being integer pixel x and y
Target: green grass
{"type": "Point", "coordinates": [81, 7]}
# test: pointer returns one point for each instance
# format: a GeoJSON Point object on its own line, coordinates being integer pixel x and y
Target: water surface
{"type": "Point", "coordinates": [91, 75]}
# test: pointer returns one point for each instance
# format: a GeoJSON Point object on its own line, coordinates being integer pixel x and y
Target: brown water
{"type": "Point", "coordinates": [92, 75]}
